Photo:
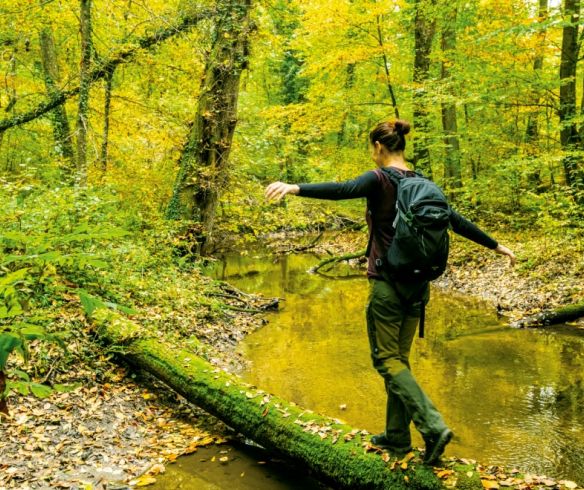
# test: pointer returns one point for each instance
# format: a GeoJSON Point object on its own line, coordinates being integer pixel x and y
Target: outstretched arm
{"type": "Point", "coordinates": [362, 186]}
{"type": "Point", "coordinates": [468, 229]}
{"type": "Point", "coordinates": [501, 249]}
{"type": "Point", "coordinates": [277, 190]}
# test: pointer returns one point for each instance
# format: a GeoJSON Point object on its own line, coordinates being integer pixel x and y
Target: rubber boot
{"type": "Point", "coordinates": [426, 417]}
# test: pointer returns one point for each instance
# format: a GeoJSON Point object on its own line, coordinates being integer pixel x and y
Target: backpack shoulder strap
{"type": "Point", "coordinates": [395, 176]}
{"type": "Point", "coordinates": [381, 176]}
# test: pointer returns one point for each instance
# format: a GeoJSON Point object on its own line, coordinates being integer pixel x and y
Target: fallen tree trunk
{"type": "Point", "coordinates": [552, 317]}
{"type": "Point", "coordinates": [334, 260]}
{"type": "Point", "coordinates": [58, 98]}
{"type": "Point", "coordinates": [333, 451]}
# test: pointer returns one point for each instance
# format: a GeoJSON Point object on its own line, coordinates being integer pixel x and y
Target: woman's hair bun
{"type": "Point", "coordinates": [401, 127]}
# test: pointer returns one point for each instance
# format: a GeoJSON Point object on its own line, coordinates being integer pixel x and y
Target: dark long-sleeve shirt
{"type": "Point", "coordinates": [380, 193]}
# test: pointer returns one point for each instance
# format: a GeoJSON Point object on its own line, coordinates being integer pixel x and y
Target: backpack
{"type": "Point", "coordinates": [419, 250]}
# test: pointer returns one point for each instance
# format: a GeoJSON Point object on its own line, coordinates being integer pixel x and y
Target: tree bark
{"type": "Point", "coordinates": [552, 317]}
{"type": "Point", "coordinates": [99, 72]}
{"type": "Point", "coordinates": [424, 30]}
{"type": "Point", "coordinates": [3, 402]}
{"type": "Point", "coordinates": [569, 136]}
{"type": "Point", "coordinates": [334, 452]}
{"type": "Point", "coordinates": [106, 119]}
{"type": "Point", "coordinates": [452, 170]}
{"type": "Point", "coordinates": [61, 128]}
{"type": "Point", "coordinates": [84, 86]}
{"type": "Point", "coordinates": [532, 129]}
{"type": "Point", "coordinates": [204, 160]}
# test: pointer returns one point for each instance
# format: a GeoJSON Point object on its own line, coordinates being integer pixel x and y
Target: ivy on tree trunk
{"type": "Point", "coordinates": [203, 164]}
{"type": "Point", "coordinates": [424, 30]}
{"type": "Point", "coordinates": [452, 170]}
{"type": "Point", "coordinates": [61, 128]}
{"type": "Point", "coordinates": [569, 136]}
{"type": "Point", "coordinates": [84, 86]}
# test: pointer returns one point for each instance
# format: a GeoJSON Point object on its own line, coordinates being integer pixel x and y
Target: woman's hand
{"type": "Point", "coordinates": [277, 190]}
{"type": "Point", "coordinates": [501, 249]}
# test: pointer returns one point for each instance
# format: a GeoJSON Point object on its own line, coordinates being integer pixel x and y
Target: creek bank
{"type": "Point", "coordinates": [549, 273]}
{"type": "Point", "coordinates": [118, 427]}
{"type": "Point", "coordinates": [333, 451]}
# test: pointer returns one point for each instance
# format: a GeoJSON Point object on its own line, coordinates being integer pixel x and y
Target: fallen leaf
{"type": "Point", "coordinates": [490, 484]}
{"type": "Point", "coordinates": [408, 457]}
{"type": "Point", "coordinates": [444, 473]}
{"type": "Point", "coordinates": [143, 481]}
{"type": "Point", "coordinates": [156, 469]}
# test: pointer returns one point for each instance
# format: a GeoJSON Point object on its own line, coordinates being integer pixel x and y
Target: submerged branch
{"type": "Point", "coordinates": [334, 260]}
{"type": "Point", "coordinates": [300, 248]}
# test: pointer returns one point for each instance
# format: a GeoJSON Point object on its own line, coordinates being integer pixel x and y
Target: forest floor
{"type": "Point", "coordinates": [117, 429]}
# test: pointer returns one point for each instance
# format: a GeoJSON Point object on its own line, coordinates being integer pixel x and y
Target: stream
{"type": "Point", "coordinates": [512, 397]}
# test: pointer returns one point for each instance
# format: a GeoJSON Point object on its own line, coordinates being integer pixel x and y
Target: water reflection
{"type": "Point", "coordinates": [512, 397]}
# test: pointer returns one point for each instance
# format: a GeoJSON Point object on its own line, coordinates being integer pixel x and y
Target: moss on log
{"type": "Point", "coordinates": [552, 317]}
{"type": "Point", "coordinates": [333, 451]}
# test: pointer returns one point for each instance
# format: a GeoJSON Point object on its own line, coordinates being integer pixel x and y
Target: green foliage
{"type": "Point", "coordinates": [44, 255]}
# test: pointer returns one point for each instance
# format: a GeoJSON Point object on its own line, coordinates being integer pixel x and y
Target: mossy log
{"type": "Point", "coordinates": [334, 452]}
{"type": "Point", "coordinates": [552, 317]}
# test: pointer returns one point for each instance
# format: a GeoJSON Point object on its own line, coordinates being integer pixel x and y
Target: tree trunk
{"type": "Point", "coordinates": [569, 136]}
{"type": "Point", "coordinates": [106, 119]}
{"type": "Point", "coordinates": [204, 160]}
{"type": "Point", "coordinates": [61, 128]}
{"type": "Point", "coordinates": [349, 83]}
{"type": "Point", "coordinates": [452, 171]}
{"type": "Point", "coordinates": [84, 86]}
{"type": "Point", "coordinates": [552, 317]}
{"type": "Point", "coordinates": [532, 129]}
{"type": "Point", "coordinates": [334, 452]}
{"type": "Point", "coordinates": [386, 68]}
{"type": "Point", "coordinates": [424, 30]}
{"type": "Point", "coordinates": [101, 71]}
{"type": "Point", "coordinates": [3, 402]}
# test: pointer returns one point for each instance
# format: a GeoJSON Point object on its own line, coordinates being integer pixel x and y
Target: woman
{"type": "Point", "coordinates": [393, 310]}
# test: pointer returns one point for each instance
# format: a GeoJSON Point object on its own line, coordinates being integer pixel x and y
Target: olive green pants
{"type": "Point", "coordinates": [393, 313]}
